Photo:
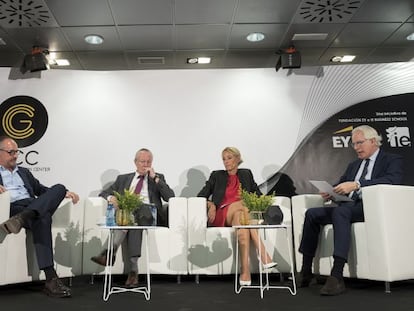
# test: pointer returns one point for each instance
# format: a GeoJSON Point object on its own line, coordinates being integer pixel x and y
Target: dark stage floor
{"type": "Point", "coordinates": [212, 293]}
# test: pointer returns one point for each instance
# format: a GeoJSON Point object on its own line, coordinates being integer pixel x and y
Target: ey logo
{"type": "Point", "coordinates": [398, 136]}
{"type": "Point", "coordinates": [24, 119]}
{"type": "Point", "coordinates": [342, 141]}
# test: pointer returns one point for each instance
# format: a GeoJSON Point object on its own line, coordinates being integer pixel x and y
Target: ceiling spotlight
{"type": "Point", "coordinates": [410, 37]}
{"type": "Point", "coordinates": [343, 59]}
{"type": "Point", "coordinates": [198, 60]}
{"type": "Point", "coordinates": [255, 37]}
{"type": "Point", "coordinates": [54, 61]}
{"type": "Point", "coordinates": [347, 58]}
{"type": "Point", "coordinates": [193, 60]}
{"type": "Point", "coordinates": [94, 39]}
{"type": "Point", "coordinates": [336, 59]}
{"type": "Point", "coordinates": [204, 60]}
{"type": "Point", "coordinates": [62, 62]}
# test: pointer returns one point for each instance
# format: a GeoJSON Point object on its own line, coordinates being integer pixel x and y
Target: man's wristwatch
{"type": "Point", "coordinates": [358, 185]}
{"type": "Point", "coordinates": [156, 177]}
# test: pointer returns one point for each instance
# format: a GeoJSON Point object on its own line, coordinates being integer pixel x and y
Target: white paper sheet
{"type": "Point", "coordinates": [324, 186]}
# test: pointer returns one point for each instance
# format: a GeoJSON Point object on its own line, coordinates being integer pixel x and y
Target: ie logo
{"type": "Point", "coordinates": [398, 136]}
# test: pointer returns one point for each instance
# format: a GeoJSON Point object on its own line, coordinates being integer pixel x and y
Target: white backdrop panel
{"type": "Point", "coordinates": [97, 120]}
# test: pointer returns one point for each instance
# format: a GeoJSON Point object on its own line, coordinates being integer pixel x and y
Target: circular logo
{"type": "Point", "coordinates": [24, 119]}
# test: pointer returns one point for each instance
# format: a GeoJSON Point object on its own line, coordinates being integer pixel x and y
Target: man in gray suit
{"type": "Point", "coordinates": [153, 188]}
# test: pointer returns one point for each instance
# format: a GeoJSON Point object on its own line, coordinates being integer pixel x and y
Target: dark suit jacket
{"type": "Point", "coordinates": [216, 184]}
{"type": "Point", "coordinates": [156, 192]}
{"type": "Point", "coordinates": [33, 186]}
{"type": "Point", "coordinates": [388, 169]}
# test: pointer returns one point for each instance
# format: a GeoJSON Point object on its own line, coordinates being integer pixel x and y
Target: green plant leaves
{"type": "Point", "coordinates": [128, 200]}
{"type": "Point", "coordinates": [256, 202]}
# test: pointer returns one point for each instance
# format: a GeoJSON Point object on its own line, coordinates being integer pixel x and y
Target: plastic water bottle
{"type": "Point", "coordinates": [110, 215]}
{"type": "Point", "coordinates": [154, 214]}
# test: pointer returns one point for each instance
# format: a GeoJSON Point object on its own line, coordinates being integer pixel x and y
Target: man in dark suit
{"type": "Point", "coordinates": [152, 188]}
{"type": "Point", "coordinates": [32, 206]}
{"type": "Point", "coordinates": [373, 166]}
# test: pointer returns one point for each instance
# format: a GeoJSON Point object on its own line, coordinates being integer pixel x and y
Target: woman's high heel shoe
{"type": "Point", "coordinates": [245, 283]}
{"type": "Point", "coordinates": [269, 265]}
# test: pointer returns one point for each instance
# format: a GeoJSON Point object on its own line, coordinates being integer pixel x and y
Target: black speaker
{"type": "Point", "coordinates": [34, 62]}
{"type": "Point", "coordinates": [143, 215]}
{"type": "Point", "coordinates": [273, 215]}
{"type": "Point", "coordinates": [290, 60]}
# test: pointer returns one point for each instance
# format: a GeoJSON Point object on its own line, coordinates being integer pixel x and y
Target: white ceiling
{"type": "Point", "coordinates": [170, 31]}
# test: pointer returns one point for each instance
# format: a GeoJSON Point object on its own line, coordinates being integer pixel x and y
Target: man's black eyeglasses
{"type": "Point", "coordinates": [11, 152]}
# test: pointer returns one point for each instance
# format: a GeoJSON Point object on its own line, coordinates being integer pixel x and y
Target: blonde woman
{"type": "Point", "coordinates": [224, 207]}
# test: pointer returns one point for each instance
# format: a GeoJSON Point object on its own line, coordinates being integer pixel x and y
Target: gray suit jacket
{"type": "Point", "coordinates": [156, 191]}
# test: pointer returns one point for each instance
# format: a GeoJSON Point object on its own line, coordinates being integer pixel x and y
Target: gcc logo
{"type": "Point", "coordinates": [24, 119]}
{"type": "Point", "coordinates": [398, 136]}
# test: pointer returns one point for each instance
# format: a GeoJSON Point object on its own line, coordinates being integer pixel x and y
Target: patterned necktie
{"type": "Point", "coordinates": [365, 170]}
{"type": "Point", "coordinates": [138, 188]}
{"type": "Point", "coordinates": [355, 195]}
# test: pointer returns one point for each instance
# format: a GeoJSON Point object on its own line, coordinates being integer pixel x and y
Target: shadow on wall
{"type": "Point", "coordinates": [202, 256]}
{"type": "Point", "coordinates": [91, 248]}
{"type": "Point", "coordinates": [107, 178]}
{"type": "Point", "coordinates": [32, 266]}
{"type": "Point", "coordinates": [280, 184]}
{"type": "Point", "coordinates": [69, 246]}
{"type": "Point", "coordinates": [176, 260]}
{"type": "Point", "coordinates": [269, 170]}
{"type": "Point", "coordinates": [192, 181]}
{"type": "Point", "coordinates": [68, 242]}
{"type": "Point", "coordinates": [2, 236]}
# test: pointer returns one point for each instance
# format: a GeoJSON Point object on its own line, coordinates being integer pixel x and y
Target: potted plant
{"type": "Point", "coordinates": [128, 202]}
{"type": "Point", "coordinates": [257, 205]}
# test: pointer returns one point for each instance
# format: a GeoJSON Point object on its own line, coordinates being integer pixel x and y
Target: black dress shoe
{"type": "Point", "coordinates": [333, 287]}
{"type": "Point", "coordinates": [55, 288]}
{"type": "Point", "coordinates": [305, 280]}
{"type": "Point", "coordinates": [101, 259]}
{"type": "Point", "coordinates": [13, 224]}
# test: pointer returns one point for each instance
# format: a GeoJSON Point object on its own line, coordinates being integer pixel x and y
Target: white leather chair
{"type": "Point", "coordinates": [18, 259]}
{"type": "Point", "coordinates": [212, 250]}
{"type": "Point", "coordinates": [168, 245]}
{"type": "Point", "coordinates": [381, 247]}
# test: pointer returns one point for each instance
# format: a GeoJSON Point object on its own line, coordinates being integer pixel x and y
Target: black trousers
{"type": "Point", "coordinates": [41, 226]}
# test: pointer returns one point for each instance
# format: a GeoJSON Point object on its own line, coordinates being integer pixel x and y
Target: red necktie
{"type": "Point", "coordinates": [138, 188]}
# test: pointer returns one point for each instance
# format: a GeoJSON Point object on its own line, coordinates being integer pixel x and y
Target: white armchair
{"type": "Point", "coordinates": [212, 250]}
{"type": "Point", "coordinates": [168, 251]}
{"type": "Point", "coordinates": [381, 247]}
{"type": "Point", "coordinates": [18, 259]}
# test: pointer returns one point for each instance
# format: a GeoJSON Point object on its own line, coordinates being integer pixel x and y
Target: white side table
{"type": "Point", "coordinates": [108, 288]}
{"type": "Point", "coordinates": [264, 284]}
